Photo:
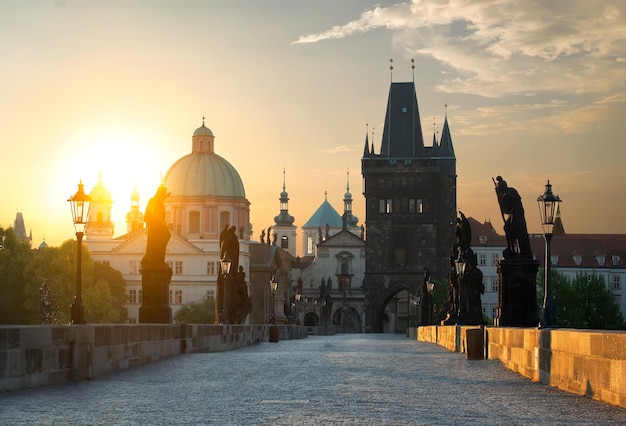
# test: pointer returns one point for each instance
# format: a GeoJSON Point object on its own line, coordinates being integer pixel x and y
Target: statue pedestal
{"type": "Point", "coordinates": [517, 293]}
{"type": "Point", "coordinates": [155, 285]}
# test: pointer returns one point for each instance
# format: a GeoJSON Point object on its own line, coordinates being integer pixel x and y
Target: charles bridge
{"type": "Point", "coordinates": [232, 374]}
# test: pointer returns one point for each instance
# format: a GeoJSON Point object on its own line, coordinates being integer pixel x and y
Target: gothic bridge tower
{"type": "Point", "coordinates": [410, 213]}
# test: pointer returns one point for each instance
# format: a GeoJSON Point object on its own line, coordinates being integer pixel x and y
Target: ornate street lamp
{"type": "Point", "coordinates": [225, 264]}
{"type": "Point", "coordinates": [273, 287]}
{"type": "Point", "coordinates": [79, 204]}
{"type": "Point", "coordinates": [273, 330]}
{"type": "Point", "coordinates": [460, 271]}
{"type": "Point", "coordinates": [298, 297]}
{"type": "Point", "coordinates": [548, 208]}
{"type": "Point", "coordinates": [430, 286]}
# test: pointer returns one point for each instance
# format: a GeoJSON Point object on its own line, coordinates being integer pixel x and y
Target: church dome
{"type": "Point", "coordinates": [100, 192]}
{"type": "Point", "coordinates": [203, 173]}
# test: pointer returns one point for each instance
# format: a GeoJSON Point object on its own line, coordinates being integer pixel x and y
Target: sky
{"type": "Point", "coordinates": [532, 90]}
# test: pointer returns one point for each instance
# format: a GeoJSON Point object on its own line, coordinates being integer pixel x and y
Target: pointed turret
{"type": "Point", "coordinates": [134, 218]}
{"type": "Point", "coordinates": [351, 220]}
{"type": "Point", "coordinates": [445, 145]}
{"type": "Point", "coordinates": [284, 218]}
{"type": "Point", "coordinates": [402, 135]}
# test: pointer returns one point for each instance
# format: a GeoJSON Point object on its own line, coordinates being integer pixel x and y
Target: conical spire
{"type": "Point", "coordinates": [284, 218]}
{"type": "Point", "coordinates": [447, 148]}
{"type": "Point", "coordinates": [351, 220]}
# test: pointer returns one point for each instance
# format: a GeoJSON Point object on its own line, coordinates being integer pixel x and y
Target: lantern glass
{"type": "Point", "coordinates": [548, 207]}
{"type": "Point", "coordinates": [225, 264]}
{"type": "Point", "coordinates": [79, 203]}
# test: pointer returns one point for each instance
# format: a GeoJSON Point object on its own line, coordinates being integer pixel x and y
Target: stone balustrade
{"type": "Point", "coordinates": [33, 356]}
{"type": "Point", "coordinates": [584, 362]}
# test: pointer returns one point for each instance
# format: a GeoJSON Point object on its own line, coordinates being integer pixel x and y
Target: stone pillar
{"type": "Point", "coordinates": [517, 293]}
{"type": "Point", "coordinates": [155, 286]}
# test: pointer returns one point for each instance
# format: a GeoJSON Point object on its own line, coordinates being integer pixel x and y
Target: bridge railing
{"type": "Point", "coordinates": [584, 362]}
{"type": "Point", "coordinates": [33, 356]}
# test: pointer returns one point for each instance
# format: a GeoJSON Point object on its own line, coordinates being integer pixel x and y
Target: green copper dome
{"type": "Point", "coordinates": [203, 173]}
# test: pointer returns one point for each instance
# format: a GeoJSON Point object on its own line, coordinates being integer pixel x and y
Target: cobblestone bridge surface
{"type": "Point", "coordinates": [350, 379]}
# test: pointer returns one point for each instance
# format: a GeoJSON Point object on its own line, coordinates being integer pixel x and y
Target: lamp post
{"type": "Point", "coordinates": [430, 286]}
{"type": "Point", "coordinates": [79, 204]}
{"type": "Point", "coordinates": [298, 297]}
{"type": "Point", "coordinates": [548, 207]}
{"type": "Point", "coordinates": [273, 287]}
{"type": "Point", "coordinates": [460, 271]}
{"type": "Point", "coordinates": [225, 264]}
{"type": "Point", "coordinates": [273, 331]}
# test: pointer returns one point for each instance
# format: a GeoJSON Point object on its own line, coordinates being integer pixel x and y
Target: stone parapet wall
{"type": "Point", "coordinates": [32, 356]}
{"type": "Point", "coordinates": [584, 362]}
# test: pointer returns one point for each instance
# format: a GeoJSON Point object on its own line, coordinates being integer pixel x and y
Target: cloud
{"type": "Point", "coordinates": [338, 149]}
{"type": "Point", "coordinates": [498, 47]}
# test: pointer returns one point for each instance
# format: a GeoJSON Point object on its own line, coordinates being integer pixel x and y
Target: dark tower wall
{"type": "Point", "coordinates": [410, 194]}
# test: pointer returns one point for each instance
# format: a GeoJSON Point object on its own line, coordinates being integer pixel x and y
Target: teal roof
{"type": "Point", "coordinates": [203, 174]}
{"type": "Point", "coordinates": [324, 215]}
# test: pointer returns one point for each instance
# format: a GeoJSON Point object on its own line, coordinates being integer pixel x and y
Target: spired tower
{"type": "Point", "coordinates": [283, 224]}
{"type": "Point", "coordinates": [410, 196]}
{"type": "Point", "coordinates": [99, 224]}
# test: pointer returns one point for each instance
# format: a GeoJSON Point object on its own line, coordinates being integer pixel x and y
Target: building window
{"type": "Point", "coordinates": [399, 256]}
{"type": "Point", "coordinates": [176, 297]}
{"type": "Point", "coordinates": [494, 259]}
{"type": "Point", "coordinates": [194, 222]}
{"type": "Point", "coordinates": [225, 220]}
{"type": "Point", "coordinates": [385, 206]}
{"type": "Point", "coordinates": [416, 206]}
{"type": "Point", "coordinates": [554, 259]}
{"type": "Point", "coordinates": [132, 297]}
{"type": "Point", "coordinates": [494, 285]}
{"type": "Point", "coordinates": [482, 259]}
{"type": "Point", "coordinates": [309, 245]}
{"type": "Point", "coordinates": [493, 312]}
{"type": "Point", "coordinates": [210, 294]}
{"type": "Point", "coordinates": [615, 259]}
{"type": "Point", "coordinates": [284, 242]}
{"type": "Point", "coordinates": [178, 267]}
{"type": "Point", "coordinates": [600, 260]}
{"type": "Point", "coordinates": [211, 268]}
{"type": "Point", "coordinates": [617, 282]}
{"type": "Point", "coordinates": [577, 260]}
{"type": "Point", "coordinates": [132, 267]}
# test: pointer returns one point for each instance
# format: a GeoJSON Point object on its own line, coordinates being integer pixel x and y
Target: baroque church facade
{"type": "Point", "coordinates": [206, 194]}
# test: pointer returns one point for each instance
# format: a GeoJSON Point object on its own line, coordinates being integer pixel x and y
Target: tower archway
{"type": "Point", "coordinates": [392, 310]}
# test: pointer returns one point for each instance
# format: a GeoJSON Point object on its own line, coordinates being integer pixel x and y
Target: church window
{"type": "Point", "coordinates": [284, 242]}
{"type": "Point", "coordinates": [132, 297]}
{"type": "Point", "coordinates": [309, 245]}
{"type": "Point", "coordinates": [178, 267]}
{"type": "Point", "coordinates": [194, 222]}
{"type": "Point", "coordinates": [224, 220]}
{"type": "Point", "coordinates": [99, 217]}
{"type": "Point", "coordinates": [211, 268]}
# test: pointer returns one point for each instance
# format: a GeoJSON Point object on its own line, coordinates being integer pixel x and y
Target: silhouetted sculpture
{"type": "Point", "coordinates": [263, 236]}
{"type": "Point", "coordinates": [156, 228]}
{"type": "Point", "coordinates": [514, 220]}
{"type": "Point", "coordinates": [427, 305]}
{"type": "Point", "coordinates": [155, 274]}
{"type": "Point", "coordinates": [233, 303]}
{"type": "Point", "coordinates": [464, 304]}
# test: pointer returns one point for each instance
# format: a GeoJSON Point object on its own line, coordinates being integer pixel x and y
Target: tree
{"type": "Point", "coordinates": [103, 288]}
{"type": "Point", "coordinates": [15, 256]}
{"type": "Point", "coordinates": [585, 302]}
{"type": "Point", "coordinates": [197, 312]}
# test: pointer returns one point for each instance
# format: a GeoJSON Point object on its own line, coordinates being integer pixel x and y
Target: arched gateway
{"type": "Point", "coordinates": [410, 205]}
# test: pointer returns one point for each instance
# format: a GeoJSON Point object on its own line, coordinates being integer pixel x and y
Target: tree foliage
{"type": "Point", "coordinates": [197, 312]}
{"type": "Point", "coordinates": [103, 288]}
{"type": "Point", "coordinates": [15, 256]}
{"type": "Point", "coordinates": [585, 302]}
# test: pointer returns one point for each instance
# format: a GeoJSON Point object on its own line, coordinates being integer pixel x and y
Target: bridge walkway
{"type": "Point", "coordinates": [364, 379]}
